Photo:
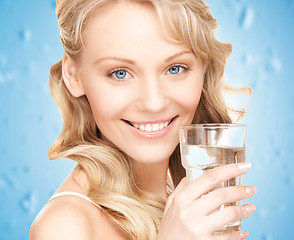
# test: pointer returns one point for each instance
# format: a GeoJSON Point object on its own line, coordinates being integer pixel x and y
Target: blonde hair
{"type": "Point", "coordinates": [110, 170]}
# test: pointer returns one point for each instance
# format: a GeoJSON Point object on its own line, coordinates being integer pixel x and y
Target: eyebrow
{"type": "Point", "coordinates": [131, 62]}
{"type": "Point", "coordinates": [177, 55]}
{"type": "Point", "coordinates": [116, 59]}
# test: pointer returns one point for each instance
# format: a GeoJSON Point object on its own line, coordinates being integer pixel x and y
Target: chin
{"type": "Point", "coordinates": [152, 155]}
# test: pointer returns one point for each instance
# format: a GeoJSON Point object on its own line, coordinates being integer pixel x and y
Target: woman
{"type": "Point", "coordinates": [132, 73]}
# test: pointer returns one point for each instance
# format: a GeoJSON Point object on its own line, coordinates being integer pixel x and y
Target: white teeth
{"type": "Point", "coordinates": [155, 127]}
{"type": "Point", "coordinates": [150, 127]}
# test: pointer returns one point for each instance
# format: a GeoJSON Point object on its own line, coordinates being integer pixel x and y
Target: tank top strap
{"type": "Point", "coordinates": [74, 194]}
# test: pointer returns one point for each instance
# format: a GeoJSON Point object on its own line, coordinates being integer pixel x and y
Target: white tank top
{"type": "Point", "coordinates": [74, 194]}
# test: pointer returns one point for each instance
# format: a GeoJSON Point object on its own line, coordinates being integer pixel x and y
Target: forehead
{"type": "Point", "coordinates": [126, 26]}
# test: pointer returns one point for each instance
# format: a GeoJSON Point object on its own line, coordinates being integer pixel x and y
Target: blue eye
{"type": "Point", "coordinates": [178, 69]}
{"type": "Point", "coordinates": [120, 74]}
{"type": "Point", "coordinates": [174, 70]}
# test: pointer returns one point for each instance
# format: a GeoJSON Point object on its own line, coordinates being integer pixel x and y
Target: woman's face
{"type": "Point", "coordinates": [141, 86]}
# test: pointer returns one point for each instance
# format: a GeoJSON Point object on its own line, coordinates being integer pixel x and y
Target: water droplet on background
{"type": "Point", "coordinates": [26, 169]}
{"type": "Point", "coordinates": [248, 59]}
{"type": "Point", "coordinates": [25, 35]}
{"type": "Point", "coordinates": [273, 65]}
{"type": "Point", "coordinates": [29, 202]}
{"type": "Point", "coordinates": [246, 18]}
{"type": "Point", "coordinates": [289, 180]}
{"type": "Point", "coordinates": [8, 181]}
{"type": "Point", "coordinates": [267, 236]}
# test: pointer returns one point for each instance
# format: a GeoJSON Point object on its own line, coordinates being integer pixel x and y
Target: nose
{"type": "Point", "coordinates": [153, 95]}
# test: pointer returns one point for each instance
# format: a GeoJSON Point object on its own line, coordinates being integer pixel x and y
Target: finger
{"type": "Point", "coordinates": [179, 188]}
{"type": "Point", "coordinates": [213, 177]}
{"type": "Point", "coordinates": [229, 214]}
{"type": "Point", "coordinates": [231, 236]}
{"type": "Point", "coordinates": [213, 200]}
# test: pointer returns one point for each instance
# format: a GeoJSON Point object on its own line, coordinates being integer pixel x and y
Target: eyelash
{"type": "Point", "coordinates": [110, 74]}
{"type": "Point", "coordinates": [184, 66]}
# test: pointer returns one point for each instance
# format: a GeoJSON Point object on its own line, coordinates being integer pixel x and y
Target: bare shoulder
{"type": "Point", "coordinates": [74, 218]}
{"type": "Point", "coordinates": [63, 218]}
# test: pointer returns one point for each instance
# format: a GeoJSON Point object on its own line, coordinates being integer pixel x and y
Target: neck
{"type": "Point", "coordinates": [152, 177]}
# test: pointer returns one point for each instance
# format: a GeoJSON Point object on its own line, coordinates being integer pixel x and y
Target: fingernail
{"type": "Point", "coordinates": [244, 234]}
{"type": "Point", "coordinates": [244, 166]}
{"type": "Point", "coordinates": [250, 208]}
{"type": "Point", "coordinates": [250, 190]}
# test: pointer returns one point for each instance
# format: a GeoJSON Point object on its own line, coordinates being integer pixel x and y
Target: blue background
{"type": "Point", "coordinates": [262, 35]}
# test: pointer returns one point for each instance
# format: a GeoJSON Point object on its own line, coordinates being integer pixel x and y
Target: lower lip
{"type": "Point", "coordinates": [155, 134]}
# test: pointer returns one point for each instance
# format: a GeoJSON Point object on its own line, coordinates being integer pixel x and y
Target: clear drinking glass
{"type": "Point", "coordinates": [206, 146]}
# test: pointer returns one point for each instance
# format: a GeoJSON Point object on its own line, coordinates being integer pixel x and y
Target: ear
{"type": "Point", "coordinates": [71, 78]}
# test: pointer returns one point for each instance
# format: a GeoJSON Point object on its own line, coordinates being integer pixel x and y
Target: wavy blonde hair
{"type": "Point", "coordinates": [110, 171]}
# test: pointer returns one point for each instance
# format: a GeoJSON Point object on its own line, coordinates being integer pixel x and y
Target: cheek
{"type": "Point", "coordinates": [106, 103]}
{"type": "Point", "coordinates": [192, 98]}
{"type": "Point", "coordinates": [189, 96]}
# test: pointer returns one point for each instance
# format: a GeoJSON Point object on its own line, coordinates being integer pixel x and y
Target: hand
{"type": "Point", "coordinates": [189, 213]}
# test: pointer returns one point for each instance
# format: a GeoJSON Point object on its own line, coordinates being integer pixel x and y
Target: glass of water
{"type": "Point", "coordinates": [206, 146]}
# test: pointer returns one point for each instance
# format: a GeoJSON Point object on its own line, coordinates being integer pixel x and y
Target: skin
{"type": "Point", "coordinates": [149, 92]}
{"type": "Point", "coordinates": [142, 78]}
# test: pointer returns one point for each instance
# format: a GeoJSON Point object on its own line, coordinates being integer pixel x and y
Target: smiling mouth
{"type": "Point", "coordinates": [151, 126]}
